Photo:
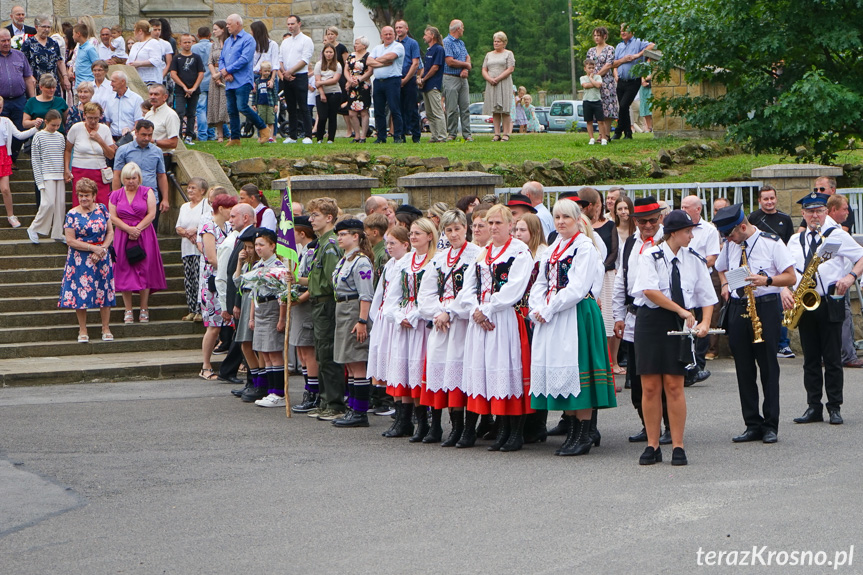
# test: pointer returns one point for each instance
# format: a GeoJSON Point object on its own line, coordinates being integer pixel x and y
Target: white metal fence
{"type": "Point", "coordinates": [855, 201]}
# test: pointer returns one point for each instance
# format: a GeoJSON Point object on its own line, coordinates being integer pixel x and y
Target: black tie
{"type": "Point", "coordinates": [813, 246]}
{"type": "Point", "coordinates": [676, 288]}
{"type": "Point", "coordinates": [739, 291]}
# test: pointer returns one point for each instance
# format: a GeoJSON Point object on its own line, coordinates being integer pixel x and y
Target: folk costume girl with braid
{"type": "Point", "coordinates": [570, 369]}
{"type": "Point", "coordinates": [496, 340]}
{"type": "Point", "coordinates": [354, 288]}
{"type": "Point", "coordinates": [405, 371]}
{"type": "Point", "coordinates": [442, 385]}
{"type": "Point", "coordinates": [385, 304]}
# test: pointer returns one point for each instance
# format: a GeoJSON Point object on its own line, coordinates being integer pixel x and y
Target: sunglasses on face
{"type": "Point", "coordinates": [645, 221]}
{"type": "Point", "coordinates": [821, 189]}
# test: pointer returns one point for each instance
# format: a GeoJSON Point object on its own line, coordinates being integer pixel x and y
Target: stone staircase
{"type": "Point", "coordinates": [38, 341]}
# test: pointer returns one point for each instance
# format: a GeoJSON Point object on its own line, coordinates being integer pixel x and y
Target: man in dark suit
{"type": "Point", "coordinates": [17, 27]}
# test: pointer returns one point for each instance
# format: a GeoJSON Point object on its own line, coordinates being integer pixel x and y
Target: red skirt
{"type": "Point", "coordinates": [404, 391]}
{"type": "Point", "coordinates": [104, 190]}
{"type": "Point", "coordinates": [442, 399]}
{"type": "Point", "coordinates": [5, 163]}
{"type": "Point", "coordinates": [509, 405]}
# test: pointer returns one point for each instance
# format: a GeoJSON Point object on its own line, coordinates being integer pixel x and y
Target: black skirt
{"type": "Point", "coordinates": [656, 352]}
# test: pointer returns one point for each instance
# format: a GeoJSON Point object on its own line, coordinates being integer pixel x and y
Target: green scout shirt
{"type": "Point", "coordinates": [381, 258]}
{"type": "Point", "coordinates": [326, 258]}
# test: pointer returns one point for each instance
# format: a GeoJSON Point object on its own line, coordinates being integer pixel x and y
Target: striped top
{"type": "Point", "coordinates": [47, 157]}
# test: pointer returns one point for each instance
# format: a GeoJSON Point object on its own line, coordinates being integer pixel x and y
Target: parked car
{"type": "Point", "coordinates": [479, 122]}
{"type": "Point", "coordinates": [542, 116]}
{"type": "Point", "coordinates": [564, 113]}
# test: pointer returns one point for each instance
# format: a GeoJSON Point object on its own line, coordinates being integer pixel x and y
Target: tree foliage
{"type": "Point", "coordinates": [385, 12]}
{"type": "Point", "coordinates": [792, 69]}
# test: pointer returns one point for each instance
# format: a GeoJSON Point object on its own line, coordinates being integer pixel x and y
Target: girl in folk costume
{"type": "Point", "coordinates": [354, 288]}
{"type": "Point", "coordinates": [405, 370]}
{"type": "Point", "coordinates": [267, 320]}
{"type": "Point", "coordinates": [570, 367]}
{"type": "Point", "coordinates": [496, 340]}
{"type": "Point", "coordinates": [528, 228]}
{"type": "Point", "coordinates": [385, 304]}
{"type": "Point", "coordinates": [442, 385]}
{"type": "Point", "coordinates": [302, 335]}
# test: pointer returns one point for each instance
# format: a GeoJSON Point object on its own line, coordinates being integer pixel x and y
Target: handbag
{"type": "Point", "coordinates": [107, 175]}
{"type": "Point", "coordinates": [135, 253]}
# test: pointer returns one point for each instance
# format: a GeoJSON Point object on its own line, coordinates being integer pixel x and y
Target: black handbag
{"type": "Point", "coordinates": [135, 253]}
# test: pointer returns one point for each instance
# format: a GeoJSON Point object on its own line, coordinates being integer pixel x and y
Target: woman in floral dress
{"type": "Point", "coordinates": [213, 234]}
{"type": "Point", "coordinates": [88, 280]}
{"type": "Point", "coordinates": [603, 56]}
{"type": "Point", "coordinates": [359, 89]}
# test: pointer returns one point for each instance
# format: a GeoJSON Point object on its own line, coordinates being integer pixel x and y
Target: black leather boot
{"type": "Point", "coordinates": [582, 443]}
{"type": "Point", "coordinates": [516, 434]}
{"type": "Point", "coordinates": [568, 422]}
{"type": "Point", "coordinates": [641, 435]}
{"type": "Point", "coordinates": [503, 430]}
{"type": "Point", "coordinates": [595, 437]}
{"type": "Point", "coordinates": [422, 428]}
{"type": "Point", "coordinates": [486, 426]}
{"type": "Point", "coordinates": [535, 427]}
{"type": "Point", "coordinates": [435, 432]}
{"type": "Point", "coordinates": [468, 436]}
{"type": "Point", "coordinates": [456, 419]}
{"type": "Point", "coordinates": [396, 422]}
{"type": "Point", "coordinates": [406, 428]}
{"type": "Point", "coordinates": [561, 428]}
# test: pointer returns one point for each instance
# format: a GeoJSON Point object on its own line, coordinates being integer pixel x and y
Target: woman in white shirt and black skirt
{"type": "Point", "coordinates": [672, 281]}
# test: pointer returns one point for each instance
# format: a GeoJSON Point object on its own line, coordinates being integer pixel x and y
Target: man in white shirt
{"type": "Point", "coordinates": [387, 60]}
{"type": "Point", "coordinates": [534, 192]}
{"type": "Point", "coordinates": [295, 54]}
{"type": "Point", "coordinates": [166, 122]}
{"type": "Point", "coordinates": [124, 109]}
{"type": "Point", "coordinates": [108, 51]}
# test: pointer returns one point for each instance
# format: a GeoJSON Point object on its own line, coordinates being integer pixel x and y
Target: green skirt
{"type": "Point", "coordinates": [594, 366]}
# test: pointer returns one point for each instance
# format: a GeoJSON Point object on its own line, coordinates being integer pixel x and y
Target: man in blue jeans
{"type": "Point", "coordinates": [203, 49]}
{"type": "Point", "coordinates": [387, 60]}
{"type": "Point", "coordinates": [235, 65]}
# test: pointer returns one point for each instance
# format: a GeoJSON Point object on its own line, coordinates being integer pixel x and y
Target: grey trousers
{"type": "Point", "coordinates": [434, 114]}
{"type": "Point", "coordinates": [457, 96]}
{"type": "Point", "coordinates": [849, 352]}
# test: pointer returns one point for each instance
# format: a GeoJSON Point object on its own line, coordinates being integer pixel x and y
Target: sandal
{"type": "Point", "coordinates": [83, 339]}
{"type": "Point", "coordinates": [208, 375]}
{"type": "Point", "coordinates": [128, 317]}
{"type": "Point", "coordinates": [108, 336]}
{"type": "Point", "coordinates": [496, 139]}
{"type": "Point", "coordinates": [13, 221]}
{"type": "Point", "coordinates": [619, 370]}
{"type": "Point", "coordinates": [504, 138]}
{"type": "Point", "coordinates": [144, 316]}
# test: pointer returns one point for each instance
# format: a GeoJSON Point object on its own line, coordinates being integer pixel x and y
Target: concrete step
{"type": "Point", "coordinates": [28, 254]}
{"type": "Point", "coordinates": [55, 274]}
{"type": "Point", "coordinates": [129, 345]}
{"type": "Point", "coordinates": [67, 333]}
{"type": "Point", "coordinates": [50, 288]}
{"type": "Point", "coordinates": [47, 303]}
{"type": "Point", "coordinates": [101, 367]}
{"type": "Point", "coordinates": [58, 317]}
{"type": "Point", "coordinates": [23, 186]}
{"type": "Point", "coordinates": [24, 173]}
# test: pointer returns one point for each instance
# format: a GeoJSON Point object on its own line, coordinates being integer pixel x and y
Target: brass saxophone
{"type": "Point", "coordinates": [751, 312]}
{"type": "Point", "coordinates": [805, 296]}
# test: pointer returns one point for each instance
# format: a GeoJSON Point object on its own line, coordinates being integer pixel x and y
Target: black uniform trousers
{"type": "Point", "coordinates": [331, 378]}
{"type": "Point", "coordinates": [751, 358]}
{"type": "Point", "coordinates": [821, 339]}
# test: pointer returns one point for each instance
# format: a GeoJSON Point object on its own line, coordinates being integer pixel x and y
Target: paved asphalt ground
{"type": "Point", "coordinates": [180, 477]}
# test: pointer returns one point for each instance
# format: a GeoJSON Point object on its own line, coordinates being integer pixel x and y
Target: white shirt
{"type": "Point", "coordinates": [654, 273]}
{"type": "Point", "coordinates": [268, 220]}
{"type": "Point", "coordinates": [151, 51]}
{"type": "Point", "coordinates": [223, 254]}
{"type": "Point", "coordinates": [103, 94]}
{"type": "Point", "coordinates": [86, 153]}
{"type": "Point", "coordinates": [764, 253]}
{"type": "Point", "coordinates": [705, 239]}
{"type": "Point", "coordinates": [831, 270]}
{"type": "Point", "coordinates": [618, 300]}
{"type": "Point", "coordinates": [545, 218]}
{"type": "Point", "coordinates": [271, 55]}
{"type": "Point", "coordinates": [295, 49]}
{"type": "Point", "coordinates": [122, 112]}
{"type": "Point", "coordinates": [190, 218]}
{"type": "Point", "coordinates": [115, 49]}
{"type": "Point", "coordinates": [394, 70]}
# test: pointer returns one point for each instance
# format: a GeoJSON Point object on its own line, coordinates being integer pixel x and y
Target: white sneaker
{"type": "Point", "coordinates": [289, 140]}
{"type": "Point", "coordinates": [307, 140]}
{"type": "Point", "coordinates": [591, 142]}
{"type": "Point", "coordinates": [188, 141]}
{"type": "Point", "coordinates": [34, 237]}
{"type": "Point", "coordinates": [271, 400]}
{"type": "Point", "coordinates": [329, 141]}
{"type": "Point", "coordinates": [604, 142]}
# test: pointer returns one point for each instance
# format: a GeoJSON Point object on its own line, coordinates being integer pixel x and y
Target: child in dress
{"type": "Point", "coordinates": [267, 320]}
{"type": "Point", "coordinates": [533, 124]}
{"type": "Point", "coordinates": [354, 288]}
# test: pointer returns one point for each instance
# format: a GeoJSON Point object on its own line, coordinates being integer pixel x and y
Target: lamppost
{"type": "Point", "coordinates": [572, 53]}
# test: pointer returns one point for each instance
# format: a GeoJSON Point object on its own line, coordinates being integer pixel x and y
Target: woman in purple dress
{"type": "Point", "coordinates": [138, 266]}
{"type": "Point", "coordinates": [88, 280]}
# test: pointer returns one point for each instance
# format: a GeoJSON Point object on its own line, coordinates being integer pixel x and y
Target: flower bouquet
{"type": "Point", "coordinates": [278, 280]}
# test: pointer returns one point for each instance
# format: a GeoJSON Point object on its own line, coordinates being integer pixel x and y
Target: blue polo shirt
{"type": "Point", "coordinates": [434, 57]}
{"type": "Point", "coordinates": [634, 46]}
{"type": "Point", "coordinates": [412, 50]}
{"type": "Point", "coordinates": [237, 57]}
{"type": "Point", "coordinates": [149, 159]}
{"type": "Point", "coordinates": [87, 54]}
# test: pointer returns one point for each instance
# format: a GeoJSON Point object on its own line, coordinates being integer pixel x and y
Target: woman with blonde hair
{"type": "Point", "coordinates": [497, 69]}
{"type": "Point", "coordinates": [495, 379]}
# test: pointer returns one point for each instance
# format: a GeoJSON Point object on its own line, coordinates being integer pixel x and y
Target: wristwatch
{"type": "Point", "coordinates": [363, 321]}
{"type": "Point", "coordinates": [769, 281]}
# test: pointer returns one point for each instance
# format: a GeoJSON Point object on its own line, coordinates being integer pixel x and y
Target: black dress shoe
{"type": "Point", "coordinates": [239, 392]}
{"type": "Point", "coordinates": [811, 415]}
{"type": "Point", "coordinates": [835, 418]}
{"type": "Point", "coordinates": [252, 394]}
{"type": "Point", "coordinates": [638, 437]}
{"type": "Point", "coordinates": [650, 456]}
{"type": "Point", "coordinates": [234, 380]}
{"type": "Point", "coordinates": [748, 435]}
{"type": "Point", "coordinates": [352, 419]}
{"type": "Point", "coordinates": [689, 379]}
{"type": "Point", "coordinates": [770, 436]}
{"type": "Point", "coordinates": [678, 456]}
{"type": "Point", "coordinates": [665, 438]}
